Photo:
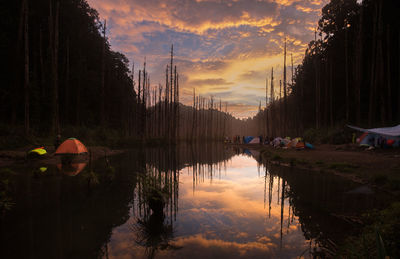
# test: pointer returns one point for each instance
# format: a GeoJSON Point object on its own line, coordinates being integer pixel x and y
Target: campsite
{"type": "Point", "coordinates": [200, 129]}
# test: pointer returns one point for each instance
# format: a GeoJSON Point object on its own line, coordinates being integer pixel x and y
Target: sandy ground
{"type": "Point", "coordinates": [18, 156]}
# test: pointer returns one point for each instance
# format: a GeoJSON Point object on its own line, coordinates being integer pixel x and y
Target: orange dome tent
{"type": "Point", "coordinates": [71, 146]}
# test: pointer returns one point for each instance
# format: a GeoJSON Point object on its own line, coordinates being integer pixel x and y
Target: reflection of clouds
{"type": "Point", "coordinates": [224, 217]}
{"type": "Point", "coordinates": [201, 247]}
{"type": "Point", "coordinates": [240, 35]}
{"type": "Point", "coordinates": [242, 161]}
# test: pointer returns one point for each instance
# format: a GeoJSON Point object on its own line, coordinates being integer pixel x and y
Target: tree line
{"type": "Point", "coordinates": [349, 75]}
{"type": "Point", "coordinates": [59, 71]}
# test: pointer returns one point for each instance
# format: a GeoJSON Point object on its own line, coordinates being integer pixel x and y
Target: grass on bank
{"type": "Point", "coordinates": [379, 237]}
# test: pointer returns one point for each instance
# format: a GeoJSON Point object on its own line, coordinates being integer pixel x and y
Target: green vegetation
{"type": "Point", "coordinates": [342, 166]}
{"type": "Point", "coordinates": [379, 236]}
{"type": "Point", "coordinates": [386, 180]}
{"type": "Point", "coordinates": [319, 162]}
{"type": "Point", "coordinates": [334, 136]}
{"type": "Point", "coordinates": [13, 137]}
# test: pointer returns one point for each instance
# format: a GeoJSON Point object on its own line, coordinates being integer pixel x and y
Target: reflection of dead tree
{"type": "Point", "coordinates": [153, 234]}
{"type": "Point", "coordinates": [156, 192]}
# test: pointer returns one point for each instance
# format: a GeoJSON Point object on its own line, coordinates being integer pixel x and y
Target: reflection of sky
{"type": "Point", "coordinates": [225, 217]}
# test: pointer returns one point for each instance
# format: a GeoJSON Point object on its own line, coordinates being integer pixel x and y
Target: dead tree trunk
{"type": "Point", "coordinates": [372, 90]}
{"type": "Point", "coordinates": [193, 114]}
{"type": "Point", "coordinates": [272, 96]}
{"type": "Point", "coordinates": [359, 69]}
{"type": "Point", "coordinates": [177, 107]}
{"type": "Point", "coordinates": [295, 119]}
{"type": "Point", "coordinates": [166, 105]}
{"type": "Point", "coordinates": [389, 75]}
{"type": "Point", "coordinates": [284, 93]}
{"type": "Point", "coordinates": [346, 54]}
{"type": "Point", "coordinates": [331, 94]}
{"type": "Point", "coordinates": [26, 66]}
{"type": "Point", "coordinates": [56, 119]}
{"type": "Point", "coordinates": [103, 68]}
{"type": "Point", "coordinates": [171, 96]}
{"type": "Point", "coordinates": [266, 107]}
{"type": "Point", "coordinates": [398, 85]}
{"type": "Point", "coordinates": [66, 97]}
{"type": "Point", "coordinates": [175, 128]}
{"type": "Point", "coordinates": [280, 108]}
{"type": "Point", "coordinates": [380, 67]}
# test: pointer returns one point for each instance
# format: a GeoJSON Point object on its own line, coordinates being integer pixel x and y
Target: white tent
{"type": "Point", "coordinates": [255, 141]}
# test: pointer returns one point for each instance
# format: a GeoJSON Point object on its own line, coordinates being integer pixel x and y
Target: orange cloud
{"type": "Point", "coordinates": [213, 39]}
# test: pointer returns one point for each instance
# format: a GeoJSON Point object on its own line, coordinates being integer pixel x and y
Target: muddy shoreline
{"type": "Point", "coordinates": [18, 156]}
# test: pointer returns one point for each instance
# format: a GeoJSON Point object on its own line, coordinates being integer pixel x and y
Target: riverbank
{"type": "Point", "coordinates": [379, 233]}
{"type": "Point", "coordinates": [18, 156]}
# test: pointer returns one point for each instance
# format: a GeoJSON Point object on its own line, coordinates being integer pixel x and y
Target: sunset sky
{"type": "Point", "coordinates": [223, 48]}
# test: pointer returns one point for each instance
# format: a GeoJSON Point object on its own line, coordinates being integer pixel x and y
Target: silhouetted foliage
{"type": "Point", "coordinates": [350, 72]}
{"type": "Point", "coordinates": [64, 68]}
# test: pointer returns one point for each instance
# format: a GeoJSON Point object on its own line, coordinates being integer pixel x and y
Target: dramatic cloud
{"type": "Point", "coordinates": [220, 46]}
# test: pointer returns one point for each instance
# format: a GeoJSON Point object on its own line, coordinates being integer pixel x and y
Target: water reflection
{"type": "Point", "coordinates": [205, 201]}
{"type": "Point", "coordinates": [71, 169]}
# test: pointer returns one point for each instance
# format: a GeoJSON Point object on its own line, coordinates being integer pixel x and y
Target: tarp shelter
{"type": "Point", "coordinates": [372, 137]}
{"type": "Point", "coordinates": [71, 146]}
{"type": "Point", "coordinates": [388, 131]}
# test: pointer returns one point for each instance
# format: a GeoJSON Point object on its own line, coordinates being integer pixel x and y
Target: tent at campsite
{"type": "Point", "coordinates": [276, 142]}
{"type": "Point", "coordinates": [37, 152]}
{"type": "Point", "coordinates": [280, 142]}
{"type": "Point", "coordinates": [70, 149]}
{"type": "Point", "coordinates": [71, 146]}
{"type": "Point", "coordinates": [251, 140]}
{"type": "Point", "coordinates": [247, 139]}
{"type": "Point", "coordinates": [379, 137]}
{"type": "Point", "coordinates": [296, 143]}
{"type": "Point", "coordinates": [255, 141]}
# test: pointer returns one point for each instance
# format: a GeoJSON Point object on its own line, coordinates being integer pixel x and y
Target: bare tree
{"type": "Point", "coordinates": [103, 66]}
{"type": "Point", "coordinates": [26, 70]}
{"type": "Point", "coordinates": [284, 92]}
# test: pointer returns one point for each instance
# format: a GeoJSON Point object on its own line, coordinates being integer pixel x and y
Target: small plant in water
{"type": "Point", "coordinates": [152, 231]}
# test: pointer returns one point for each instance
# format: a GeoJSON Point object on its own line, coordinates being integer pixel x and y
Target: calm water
{"type": "Point", "coordinates": [218, 203]}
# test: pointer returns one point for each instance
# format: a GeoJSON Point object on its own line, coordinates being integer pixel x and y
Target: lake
{"type": "Point", "coordinates": [201, 201]}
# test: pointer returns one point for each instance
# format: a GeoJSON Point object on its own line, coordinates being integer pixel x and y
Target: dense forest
{"type": "Point", "coordinates": [349, 75]}
{"type": "Point", "coordinates": [60, 68]}
{"type": "Point", "coordinates": [59, 72]}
